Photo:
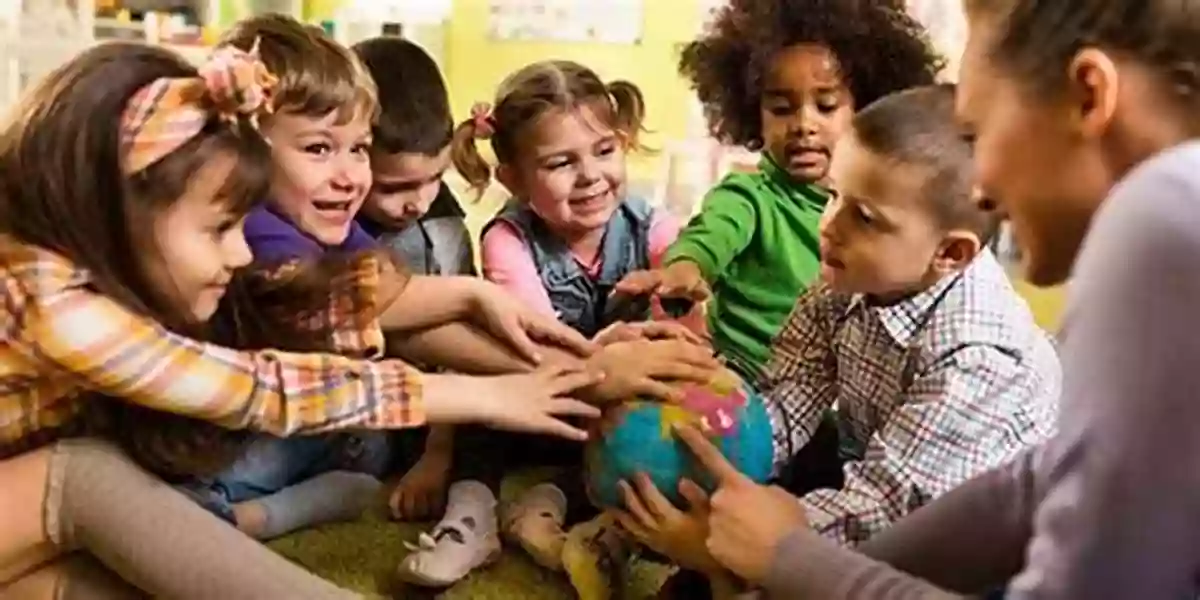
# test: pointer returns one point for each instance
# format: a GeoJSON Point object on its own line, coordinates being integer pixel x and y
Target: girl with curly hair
{"type": "Point", "coordinates": [782, 77]}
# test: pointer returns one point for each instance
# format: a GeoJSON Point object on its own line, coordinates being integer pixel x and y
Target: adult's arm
{"type": "Point", "coordinates": [971, 539]}
{"type": "Point", "coordinates": [808, 565]}
{"type": "Point", "coordinates": [461, 347]}
{"type": "Point", "coordinates": [1119, 516]}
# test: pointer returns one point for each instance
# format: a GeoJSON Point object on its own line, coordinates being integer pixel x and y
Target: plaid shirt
{"type": "Point", "coordinates": [928, 392]}
{"type": "Point", "coordinates": [349, 325]}
{"type": "Point", "coordinates": [61, 340]}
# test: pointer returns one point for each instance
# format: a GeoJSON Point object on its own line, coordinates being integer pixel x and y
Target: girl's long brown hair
{"type": "Point", "coordinates": [62, 188]}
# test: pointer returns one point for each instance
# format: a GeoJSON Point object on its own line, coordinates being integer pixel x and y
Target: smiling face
{"type": "Point", "coordinates": [806, 107]}
{"type": "Point", "coordinates": [1039, 155]}
{"type": "Point", "coordinates": [198, 244]}
{"type": "Point", "coordinates": [404, 186]}
{"type": "Point", "coordinates": [322, 172]}
{"type": "Point", "coordinates": [570, 168]}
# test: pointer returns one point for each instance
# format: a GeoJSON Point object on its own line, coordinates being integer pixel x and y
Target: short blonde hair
{"type": "Point", "coordinates": [316, 74]}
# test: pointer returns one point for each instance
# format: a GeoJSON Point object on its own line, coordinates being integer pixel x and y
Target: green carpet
{"type": "Point", "coordinates": [362, 556]}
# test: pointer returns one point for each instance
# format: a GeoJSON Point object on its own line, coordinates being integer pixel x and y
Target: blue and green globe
{"type": "Point", "coordinates": [638, 437]}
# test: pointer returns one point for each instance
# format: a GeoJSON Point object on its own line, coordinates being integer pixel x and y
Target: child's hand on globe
{"type": "Point", "coordinates": [648, 330]}
{"type": "Point", "coordinates": [680, 535]}
{"type": "Point", "coordinates": [650, 368]}
{"type": "Point", "coordinates": [542, 401]}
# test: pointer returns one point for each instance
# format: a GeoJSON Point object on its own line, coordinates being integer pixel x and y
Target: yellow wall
{"type": "Point", "coordinates": [475, 63]}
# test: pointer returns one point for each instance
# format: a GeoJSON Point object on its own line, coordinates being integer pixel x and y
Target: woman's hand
{"type": "Point", "coordinates": [521, 326]}
{"type": "Point", "coordinates": [679, 535]}
{"type": "Point", "coordinates": [747, 522]}
{"type": "Point", "coordinates": [650, 368]}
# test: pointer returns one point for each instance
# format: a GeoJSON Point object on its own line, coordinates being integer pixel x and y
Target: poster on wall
{"type": "Point", "coordinates": [612, 21]}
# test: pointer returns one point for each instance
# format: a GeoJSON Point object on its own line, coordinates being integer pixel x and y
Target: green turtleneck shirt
{"type": "Point", "coordinates": [755, 241]}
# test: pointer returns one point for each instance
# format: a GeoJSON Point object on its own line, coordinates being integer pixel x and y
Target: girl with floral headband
{"type": "Point", "coordinates": [124, 177]}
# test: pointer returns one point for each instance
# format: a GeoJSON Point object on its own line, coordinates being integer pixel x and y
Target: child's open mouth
{"type": "Point", "coordinates": [833, 263]}
{"type": "Point", "coordinates": [332, 209]}
{"type": "Point", "coordinates": [590, 203]}
{"type": "Point", "coordinates": [806, 156]}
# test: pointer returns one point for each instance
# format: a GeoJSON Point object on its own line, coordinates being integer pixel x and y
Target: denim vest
{"type": "Point", "coordinates": [580, 301]}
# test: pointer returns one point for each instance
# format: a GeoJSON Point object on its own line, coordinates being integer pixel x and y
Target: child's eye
{"type": "Point", "coordinates": [361, 148]}
{"type": "Point", "coordinates": [780, 110]}
{"type": "Point", "coordinates": [863, 216]}
{"type": "Point", "coordinates": [607, 149]}
{"type": "Point", "coordinates": [320, 149]}
{"type": "Point", "coordinates": [554, 165]}
{"type": "Point", "coordinates": [225, 226]}
{"type": "Point", "coordinates": [828, 105]}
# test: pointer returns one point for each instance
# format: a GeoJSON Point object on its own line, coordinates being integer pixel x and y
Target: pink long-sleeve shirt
{"type": "Point", "coordinates": [507, 261]}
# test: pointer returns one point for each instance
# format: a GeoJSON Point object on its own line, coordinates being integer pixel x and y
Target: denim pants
{"type": "Point", "coordinates": [271, 464]}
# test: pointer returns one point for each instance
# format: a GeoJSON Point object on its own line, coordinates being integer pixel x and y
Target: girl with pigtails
{"type": "Point", "coordinates": [567, 235]}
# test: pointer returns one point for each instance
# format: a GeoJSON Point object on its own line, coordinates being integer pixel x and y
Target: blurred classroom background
{"type": "Point", "coordinates": [476, 42]}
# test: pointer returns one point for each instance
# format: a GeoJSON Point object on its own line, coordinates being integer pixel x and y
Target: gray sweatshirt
{"type": "Point", "coordinates": [1110, 508]}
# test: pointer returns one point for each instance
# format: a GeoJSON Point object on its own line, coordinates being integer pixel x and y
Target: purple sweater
{"type": "Point", "coordinates": [1110, 508]}
{"type": "Point", "coordinates": [273, 239]}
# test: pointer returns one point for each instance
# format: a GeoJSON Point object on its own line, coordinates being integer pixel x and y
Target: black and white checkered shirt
{"type": "Point", "coordinates": [928, 392]}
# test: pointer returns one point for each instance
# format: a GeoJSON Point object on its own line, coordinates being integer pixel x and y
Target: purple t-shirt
{"type": "Point", "coordinates": [274, 239]}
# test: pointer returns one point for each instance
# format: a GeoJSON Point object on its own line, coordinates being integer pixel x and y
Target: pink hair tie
{"type": "Point", "coordinates": [481, 117]}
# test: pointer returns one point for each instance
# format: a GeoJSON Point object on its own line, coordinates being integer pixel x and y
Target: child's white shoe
{"type": "Point", "coordinates": [465, 539]}
{"type": "Point", "coordinates": [535, 522]}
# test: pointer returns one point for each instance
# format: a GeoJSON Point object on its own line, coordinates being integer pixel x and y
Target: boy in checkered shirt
{"type": "Point", "coordinates": [914, 365]}
{"type": "Point", "coordinates": [931, 362]}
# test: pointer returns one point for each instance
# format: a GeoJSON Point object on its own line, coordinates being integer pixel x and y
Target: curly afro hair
{"type": "Point", "coordinates": [880, 47]}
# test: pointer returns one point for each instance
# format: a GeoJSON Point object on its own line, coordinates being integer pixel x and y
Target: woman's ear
{"type": "Point", "coordinates": [1094, 86]}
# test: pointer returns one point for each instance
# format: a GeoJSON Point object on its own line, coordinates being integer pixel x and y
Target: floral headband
{"type": "Point", "coordinates": [162, 116]}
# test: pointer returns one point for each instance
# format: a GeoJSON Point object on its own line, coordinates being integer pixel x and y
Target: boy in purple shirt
{"type": "Point", "coordinates": [273, 239]}
{"type": "Point", "coordinates": [306, 243]}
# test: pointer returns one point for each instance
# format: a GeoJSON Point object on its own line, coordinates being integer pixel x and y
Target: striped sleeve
{"type": "Point", "coordinates": [111, 350]}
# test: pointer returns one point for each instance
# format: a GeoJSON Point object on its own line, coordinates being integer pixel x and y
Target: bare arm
{"type": "Point", "coordinates": [462, 347]}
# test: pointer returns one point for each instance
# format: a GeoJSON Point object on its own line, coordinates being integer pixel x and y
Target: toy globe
{"type": "Point", "coordinates": [638, 437]}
